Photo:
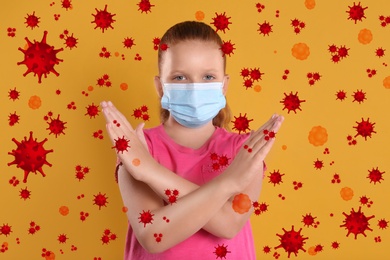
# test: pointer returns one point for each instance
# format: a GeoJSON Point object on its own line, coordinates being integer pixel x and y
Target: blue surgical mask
{"type": "Point", "coordinates": [193, 104]}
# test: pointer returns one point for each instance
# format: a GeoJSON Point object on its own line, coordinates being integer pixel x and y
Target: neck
{"type": "Point", "coordinates": [189, 137]}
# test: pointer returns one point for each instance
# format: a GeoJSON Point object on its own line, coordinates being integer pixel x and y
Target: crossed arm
{"type": "Point", "coordinates": [208, 206]}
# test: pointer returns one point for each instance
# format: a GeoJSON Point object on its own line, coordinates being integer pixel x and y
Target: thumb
{"type": "Point", "coordinates": [140, 133]}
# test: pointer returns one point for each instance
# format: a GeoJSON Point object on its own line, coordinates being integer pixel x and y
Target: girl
{"type": "Point", "coordinates": [178, 180]}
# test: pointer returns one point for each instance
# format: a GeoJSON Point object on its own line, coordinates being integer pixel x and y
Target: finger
{"type": "Point", "coordinates": [118, 116]}
{"type": "Point", "coordinates": [140, 134]}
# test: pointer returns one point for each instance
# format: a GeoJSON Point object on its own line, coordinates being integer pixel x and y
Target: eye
{"type": "Point", "coordinates": [179, 78]}
{"type": "Point", "coordinates": [209, 77]}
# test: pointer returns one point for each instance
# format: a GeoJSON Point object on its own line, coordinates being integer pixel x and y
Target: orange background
{"type": "Point", "coordinates": [130, 72]}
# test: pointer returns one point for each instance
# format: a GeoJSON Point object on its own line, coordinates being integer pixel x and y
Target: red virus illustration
{"type": "Point", "coordinates": [365, 201]}
{"type": "Point", "coordinates": [33, 228]}
{"type": "Point", "coordinates": [265, 28]}
{"type": "Point", "coordinates": [92, 110]}
{"type": "Point", "coordinates": [318, 164]}
{"type": "Point", "coordinates": [227, 48]}
{"type": "Point", "coordinates": [250, 76]}
{"type": "Point", "coordinates": [105, 54]}
{"type": "Point", "coordinates": [158, 237]}
{"type": "Point", "coordinates": [107, 237]}
{"type": "Point", "coordinates": [13, 94]}
{"type": "Point", "coordinates": [371, 72]}
{"type": "Point", "coordinates": [292, 241]}
{"type": "Point", "coordinates": [338, 53]}
{"type": "Point", "coordinates": [100, 200]}
{"type": "Point", "coordinates": [336, 178]}
{"type": "Point", "coordinates": [375, 175]}
{"type": "Point", "coordinates": [62, 238]}
{"type": "Point", "coordinates": [13, 119]}
{"type": "Point", "coordinates": [292, 102]}
{"type": "Point", "coordinates": [219, 162]}
{"type": "Point", "coordinates": [241, 123]}
{"type": "Point", "coordinates": [359, 96]}
{"type": "Point", "coordinates": [121, 144]}
{"type": "Point", "coordinates": [13, 181]}
{"type": "Point", "coordinates": [67, 4]}
{"type": "Point", "coordinates": [356, 12]}
{"type": "Point", "coordinates": [384, 20]}
{"type": "Point", "coordinates": [11, 32]}
{"type": "Point", "coordinates": [268, 134]}
{"type": "Point", "coordinates": [380, 52]}
{"type": "Point", "coordinates": [144, 6]}
{"type": "Point", "coordinates": [172, 195]}
{"type": "Point", "coordinates": [313, 77]}
{"type": "Point", "coordinates": [356, 223]}
{"type": "Point", "coordinates": [156, 43]}
{"type": "Point", "coordinates": [221, 251]}
{"type": "Point", "coordinates": [260, 7]}
{"type": "Point", "coordinates": [146, 217]}
{"type": "Point", "coordinates": [382, 224]}
{"type": "Point", "coordinates": [365, 128]}
{"type": "Point", "coordinates": [103, 19]}
{"type": "Point", "coordinates": [69, 40]}
{"type": "Point", "coordinates": [128, 42]}
{"type": "Point", "coordinates": [25, 193]}
{"type": "Point", "coordinates": [285, 75]}
{"type": "Point", "coordinates": [275, 177]}
{"type": "Point", "coordinates": [341, 95]}
{"type": "Point", "coordinates": [81, 171]}
{"type": "Point", "coordinates": [32, 20]}
{"type": "Point", "coordinates": [40, 58]}
{"type": "Point", "coordinates": [5, 229]}
{"type": "Point", "coordinates": [30, 156]}
{"type": "Point", "coordinates": [297, 185]}
{"type": "Point", "coordinates": [83, 216]}
{"type": "Point", "coordinates": [221, 22]}
{"type": "Point", "coordinates": [297, 25]}
{"type": "Point", "coordinates": [104, 80]}
{"type": "Point", "coordinates": [56, 126]}
{"type": "Point", "coordinates": [259, 207]}
{"type": "Point", "coordinates": [335, 245]}
{"type": "Point", "coordinates": [141, 113]}
{"type": "Point", "coordinates": [309, 221]}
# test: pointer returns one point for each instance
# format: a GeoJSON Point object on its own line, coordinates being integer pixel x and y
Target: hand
{"type": "Point", "coordinates": [249, 160]}
{"type": "Point", "coordinates": [129, 143]}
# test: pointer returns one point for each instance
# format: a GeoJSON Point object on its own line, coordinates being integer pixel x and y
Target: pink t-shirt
{"type": "Point", "coordinates": [198, 166]}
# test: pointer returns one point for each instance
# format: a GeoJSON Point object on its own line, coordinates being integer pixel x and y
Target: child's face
{"type": "Point", "coordinates": [192, 61]}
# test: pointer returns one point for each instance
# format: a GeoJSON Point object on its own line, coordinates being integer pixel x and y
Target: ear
{"type": "Point", "coordinates": [158, 86]}
{"type": "Point", "coordinates": [225, 84]}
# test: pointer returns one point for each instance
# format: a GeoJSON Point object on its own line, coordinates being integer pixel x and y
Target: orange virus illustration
{"type": "Point", "coordinates": [300, 51]}
{"type": "Point", "coordinates": [103, 19]}
{"type": "Point", "coordinates": [146, 217]}
{"type": "Point", "coordinates": [144, 6]}
{"type": "Point", "coordinates": [356, 12]}
{"type": "Point", "coordinates": [121, 144]}
{"type": "Point", "coordinates": [275, 177]}
{"type": "Point", "coordinates": [40, 58]}
{"type": "Point", "coordinates": [318, 136]}
{"type": "Point", "coordinates": [241, 203]}
{"type": "Point", "coordinates": [221, 251]}
{"type": "Point", "coordinates": [292, 102]}
{"type": "Point", "coordinates": [241, 123]}
{"type": "Point", "coordinates": [292, 241]}
{"type": "Point", "coordinates": [30, 155]}
{"type": "Point", "coordinates": [346, 193]}
{"type": "Point", "coordinates": [365, 36]}
{"type": "Point", "coordinates": [356, 223]}
{"type": "Point", "coordinates": [100, 200]}
{"type": "Point", "coordinates": [221, 22]}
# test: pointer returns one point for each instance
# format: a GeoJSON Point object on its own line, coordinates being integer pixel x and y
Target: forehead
{"type": "Point", "coordinates": [193, 53]}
